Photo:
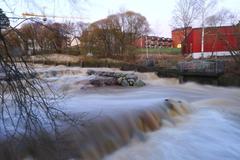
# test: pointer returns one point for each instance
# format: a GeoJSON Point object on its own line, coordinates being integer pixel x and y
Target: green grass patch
{"type": "Point", "coordinates": [160, 50]}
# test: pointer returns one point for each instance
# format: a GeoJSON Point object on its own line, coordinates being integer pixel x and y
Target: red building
{"type": "Point", "coordinates": [217, 41]}
{"type": "Point", "coordinates": [178, 36]}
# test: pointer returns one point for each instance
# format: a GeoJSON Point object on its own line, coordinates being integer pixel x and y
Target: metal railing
{"type": "Point", "coordinates": [214, 67]}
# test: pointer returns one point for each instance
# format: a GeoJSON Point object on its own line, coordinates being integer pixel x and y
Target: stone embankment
{"type": "Point", "coordinates": [103, 78]}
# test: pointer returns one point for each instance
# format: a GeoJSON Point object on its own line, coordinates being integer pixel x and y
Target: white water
{"type": "Point", "coordinates": [210, 132]}
{"type": "Point", "coordinates": [206, 134]}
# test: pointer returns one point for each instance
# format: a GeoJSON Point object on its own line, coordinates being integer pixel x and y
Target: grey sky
{"type": "Point", "coordinates": [157, 12]}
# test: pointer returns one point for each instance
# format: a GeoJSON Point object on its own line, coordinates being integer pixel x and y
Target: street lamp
{"type": "Point", "coordinates": [147, 47]}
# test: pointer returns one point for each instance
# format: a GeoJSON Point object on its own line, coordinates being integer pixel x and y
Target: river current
{"type": "Point", "coordinates": [163, 120]}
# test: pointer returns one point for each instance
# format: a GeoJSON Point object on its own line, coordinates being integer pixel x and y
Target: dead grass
{"type": "Point", "coordinates": [161, 60]}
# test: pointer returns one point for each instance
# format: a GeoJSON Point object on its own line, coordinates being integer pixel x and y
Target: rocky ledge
{"type": "Point", "coordinates": [103, 78]}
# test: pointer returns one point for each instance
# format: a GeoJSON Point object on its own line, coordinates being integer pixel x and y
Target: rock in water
{"type": "Point", "coordinates": [119, 80]}
{"type": "Point", "coordinates": [132, 76]}
{"type": "Point", "coordinates": [139, 83]}
{"type": "Point", "coordinates": [131, 82]}
{"type": "Point", "coordinates": [103, 81]}
{"type": "Point", "coordinates": [124, 83]}
{"type": "Point", "coordinates": [114, 78]}
{"type": "Point", "coordinates": [91, 72]}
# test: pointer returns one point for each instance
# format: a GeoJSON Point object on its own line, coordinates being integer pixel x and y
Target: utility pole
{"type": "Point", "coordinates": [203, 30]}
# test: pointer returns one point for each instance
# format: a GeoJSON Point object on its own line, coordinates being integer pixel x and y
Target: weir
{"type": "Point", "coordinates": [107, 134]}
{"type": "Point", "coordinates": [101, 136]}
{"type": "Point", "coordinates": [138, 123]}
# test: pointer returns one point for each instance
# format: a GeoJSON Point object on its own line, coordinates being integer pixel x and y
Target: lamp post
{"type": "Point", "coordinates": [147, 47]}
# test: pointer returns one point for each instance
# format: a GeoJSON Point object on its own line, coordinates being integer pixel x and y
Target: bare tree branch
{"type": "Point", "coordinates": [27, 104]}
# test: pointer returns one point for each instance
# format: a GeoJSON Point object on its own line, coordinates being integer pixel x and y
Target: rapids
{"type": "Point", "coordinates": [164, 120]}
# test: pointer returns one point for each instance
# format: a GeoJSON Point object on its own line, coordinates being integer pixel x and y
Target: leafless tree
{"type": "Point", "coordinates": [27, 105]}
{"type": "Point", "coordinates": [222, 17]}
{"type": "Point", "coordinates": [31, 121]}
{"type": "Point", "coordinates": [233, 48]}
{"type": "Point", "coordinates": [184, 15]}
{"type": "Point", "coordinates": [115, 35]}
{"type": "Point", "coordinates": [205, 7]}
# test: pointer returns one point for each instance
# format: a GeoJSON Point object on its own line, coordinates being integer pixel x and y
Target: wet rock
{"type": "Point", "coordinates": [124, 83]}
{"type": "Point", "coordinates": [139, 83]}
{"type": "Point", "coordinates": [119, 75]}
{"type": "Point", "coordinates": [131, 76]}
{"type": "Point", "coordinates": [115, 78]}
{"type": "Point", "coordinates": [131, 82]}
{"type": "Point", "coordinates": [91, 72]}
{"type": "Point", "coordinates": [103, 81]}
{"type": "Point", "coordinates": [119, 80]}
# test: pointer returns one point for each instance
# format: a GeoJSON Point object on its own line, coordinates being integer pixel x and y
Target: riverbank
{"type": "Point", "coordinates": [163, 65]}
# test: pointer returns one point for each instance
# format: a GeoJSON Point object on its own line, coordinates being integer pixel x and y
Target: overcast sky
{"type": "Point", "coordinates": [157, 12]}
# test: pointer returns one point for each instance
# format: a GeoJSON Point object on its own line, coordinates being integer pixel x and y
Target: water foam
{"type": "Point", "coordinates": [138, 124]}
{"type": "Point", "coordinates": [106, 134]}
{"type": "Point", "coordinates": [205, 134]}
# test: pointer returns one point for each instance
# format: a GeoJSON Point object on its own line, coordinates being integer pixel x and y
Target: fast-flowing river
{"type": "Point", "coordinates": [163, 120]}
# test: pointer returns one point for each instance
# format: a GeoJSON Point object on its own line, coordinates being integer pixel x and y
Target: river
{"type": "Point", "coordinates": [163, 120]}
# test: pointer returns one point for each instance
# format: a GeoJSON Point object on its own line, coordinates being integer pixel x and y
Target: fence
{"type": "Point", "coordinates": [201, 67]}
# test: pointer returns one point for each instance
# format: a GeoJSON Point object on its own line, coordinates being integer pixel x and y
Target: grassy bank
{"type": "Point", "coordinates": [160, 50]}
{"type": "Point", "coordinates": [73, 60]}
